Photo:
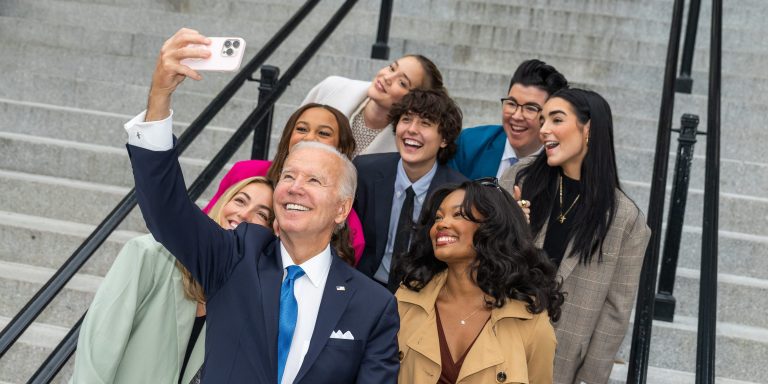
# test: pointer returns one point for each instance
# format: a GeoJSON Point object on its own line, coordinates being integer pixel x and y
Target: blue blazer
{"type": "Point", "coordinates": [241, 272]}
{"type": "Point", "coordinates": [480, 150]}
{"type": "Point", "coordinates": [376, 175]}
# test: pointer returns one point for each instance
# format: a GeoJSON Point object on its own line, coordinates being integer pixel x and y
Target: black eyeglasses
{"type": "Point", "coordinates": [529, 111]}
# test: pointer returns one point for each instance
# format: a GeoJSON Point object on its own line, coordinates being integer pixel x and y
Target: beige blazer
{"type": "Point", "coordinates": [349, 97]}
{"type": "Point", "coordinates": [515, 346]}
{"type": "Point", "coordinates": [600, 296]}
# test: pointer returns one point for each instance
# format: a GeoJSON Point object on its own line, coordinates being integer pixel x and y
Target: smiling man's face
{"type": "Point", "coordinates": [306, 200]}
{"type": "Point", "coordinates": [523, 133]}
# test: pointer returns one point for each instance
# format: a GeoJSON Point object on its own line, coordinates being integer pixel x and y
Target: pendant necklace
{"type": "Point", "coordinates": [562, 217]}
{"type": "Point", "coordinates": [464, 320]}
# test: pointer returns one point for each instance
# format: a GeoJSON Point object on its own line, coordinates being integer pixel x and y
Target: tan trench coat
{"type": "Point", "coordinates": [515, 346]}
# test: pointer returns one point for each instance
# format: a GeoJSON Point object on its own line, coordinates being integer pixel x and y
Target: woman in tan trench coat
{"type": "Point", "coordinates": [475, 306]}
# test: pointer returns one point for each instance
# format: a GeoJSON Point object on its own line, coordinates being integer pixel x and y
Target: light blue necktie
{"type": "Point", "coordinates": [513, 160]}
{"type": "Point", "coordinates": [289, 311]}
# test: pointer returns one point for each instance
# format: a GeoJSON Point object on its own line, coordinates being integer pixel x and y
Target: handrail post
{"type": "Point", "coordinates": [380, 49]}
{"type": "Point", "coordinates": [643, 324]}
{"type": "Point", "coordinates": [684, 83]}
{"type": "Point", "coordinates": [263, 130]}
{"type": "Point", "coordinates": [706, 340]}
{"type": "Point", "coordinates": [665, 301]}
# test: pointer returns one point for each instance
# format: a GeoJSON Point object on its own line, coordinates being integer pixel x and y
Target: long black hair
{"type": "Point", "coordinates": [508, 265]}
{"type": "Point", "coordinates": [599, 178]}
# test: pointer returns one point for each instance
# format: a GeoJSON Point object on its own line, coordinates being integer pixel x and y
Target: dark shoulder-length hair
{"type": "Point", "coordinates": [340, 238]}
{"type": "Point", "coordinates": [508, 265]}
{"type": "Point", "coordinates": [346, 139]}
{"type": "Point", "coordinates": [599, 178]}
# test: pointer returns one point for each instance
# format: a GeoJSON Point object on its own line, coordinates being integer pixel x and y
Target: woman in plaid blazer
{"type": "Point", "coordinates": [587, 226]}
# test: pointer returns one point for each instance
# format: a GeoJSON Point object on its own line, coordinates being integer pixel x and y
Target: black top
{"type": "Point", "coordinates": [556, 239]}
{"type": "Point", "coordinates": [196, 328]}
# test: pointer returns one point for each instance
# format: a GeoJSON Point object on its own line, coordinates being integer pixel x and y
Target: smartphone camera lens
{"type": "Point", "coordinates": [229, 51]}
{"type": "Point", "coordinates": [236, 44]}
{"type": "Point", "coordinates": [228, 43]}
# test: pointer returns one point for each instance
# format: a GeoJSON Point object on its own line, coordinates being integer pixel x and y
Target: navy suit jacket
{"type": "Point", "coordinates": [376, 175]}
{"type": "Point", "coordinates": [241, 272]}
{"type": "Point", "coordinates": [479, 151]}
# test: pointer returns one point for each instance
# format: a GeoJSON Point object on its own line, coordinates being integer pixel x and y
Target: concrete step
{"type": "Point", "coordinates": [739, 213]}
{"type": "Point", "coordinates": [89, 203]}
{"type": "Point", "coordinates": [665, 376]}
{"type": "Point", "coordinates": [46, 242]}
{"type": "Point", "coordinates": [741, 349]}
{"type": "Point", "coordinates": [26, 355]}
{"type": "Point", "coordinates": [95, 127]}
{"type": "Point", "coordinates": [24, 281]}
{"type": "Point", "coordinates": [89, 94]}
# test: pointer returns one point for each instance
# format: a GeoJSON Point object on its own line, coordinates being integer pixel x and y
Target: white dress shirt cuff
{"type": "Point", "coordinates": [151, 135]}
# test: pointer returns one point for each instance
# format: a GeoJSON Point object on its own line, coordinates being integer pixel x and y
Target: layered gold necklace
{"type": "Point", "coordinates": [562, 217]}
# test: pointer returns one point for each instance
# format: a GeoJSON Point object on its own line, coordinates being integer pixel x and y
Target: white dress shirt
{"type": "Point", "coordinates": [308, 290]}
{"type": "Point", "coordinates": [151, 135]}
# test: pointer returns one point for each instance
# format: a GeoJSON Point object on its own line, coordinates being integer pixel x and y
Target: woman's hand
{"type": "Point", "coordinates": [525, 205]}
{"type": "Point", "coordinates": [169, 72]}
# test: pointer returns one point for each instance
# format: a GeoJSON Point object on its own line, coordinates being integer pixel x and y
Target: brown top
{"type": "Point", "coordinates": [451, 369]}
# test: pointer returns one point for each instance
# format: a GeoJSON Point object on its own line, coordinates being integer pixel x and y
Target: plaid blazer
{"type": "Point", "coordinates": [600, 296]}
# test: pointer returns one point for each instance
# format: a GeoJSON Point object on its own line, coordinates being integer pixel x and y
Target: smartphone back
{"type": "Point", "coordinates": [226, 55]}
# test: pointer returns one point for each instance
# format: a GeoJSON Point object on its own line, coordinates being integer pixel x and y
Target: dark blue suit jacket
{"type": "Point", "coordinates": [241, 272]}
{"type": "Point", "coordinates": [376, 175]}
{"type": "Point", "coordinates": [480, 150]}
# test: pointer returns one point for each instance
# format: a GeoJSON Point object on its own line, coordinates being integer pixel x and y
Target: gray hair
{"type": "Point", "coordinates": [347, 179]}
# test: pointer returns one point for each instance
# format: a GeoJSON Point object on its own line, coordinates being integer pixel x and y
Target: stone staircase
{"type": "Point", "coordinates": [73, 71]}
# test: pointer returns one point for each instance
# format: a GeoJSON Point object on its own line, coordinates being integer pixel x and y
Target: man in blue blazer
{"type": "Point", "coordinates": [426, 124]}
{"type": "Point", "coordinates": [488, 150]}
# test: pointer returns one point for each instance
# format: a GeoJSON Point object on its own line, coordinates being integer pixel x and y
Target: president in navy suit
{"type": "Point", "coordinates": [284, 310]}
{"type": "Point", "coordinates": [346, 327]}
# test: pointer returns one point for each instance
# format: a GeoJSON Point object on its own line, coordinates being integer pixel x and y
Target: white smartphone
{"type": "Point", "coordinates": [226, 55]}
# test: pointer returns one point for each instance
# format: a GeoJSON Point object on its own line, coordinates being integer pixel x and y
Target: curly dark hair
{"type": "Point", "coordinates": [508, 265]}
{"type": "Point", "coordinates": [434, 105]}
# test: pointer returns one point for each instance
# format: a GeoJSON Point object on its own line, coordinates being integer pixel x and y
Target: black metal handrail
{"type": "Point", "coordinates": [684, 83]}
{"type": "Point", "coordinates": [45, 295]}
{"type": "Point", "coordinates": [706, 338]}
{"type": "Point", "coordinates": [641, 334]}
{"type": "Point", "coordinates": [64, 350]}
{"type": "Point", "coordinates": [664, 306]}
{"type": "Point", "coordinates": [380, 49]}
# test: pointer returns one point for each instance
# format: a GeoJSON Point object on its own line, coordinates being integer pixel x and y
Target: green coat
{"type": "Point", "coordinates": [138, 326]}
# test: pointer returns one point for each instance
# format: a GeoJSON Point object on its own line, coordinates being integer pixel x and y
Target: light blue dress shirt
{"type": "Point", "coordinates": [420, 188]}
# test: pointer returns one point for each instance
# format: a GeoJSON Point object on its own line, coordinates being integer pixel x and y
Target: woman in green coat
{"type": "Point", "coordinates": [146, 322]}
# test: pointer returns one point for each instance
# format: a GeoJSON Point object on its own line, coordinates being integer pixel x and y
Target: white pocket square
{"type": "Point", "coordinates": [342, 335]}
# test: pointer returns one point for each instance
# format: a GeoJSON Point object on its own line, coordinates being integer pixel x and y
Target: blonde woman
{"type": "Point", "coordinates": [146, 322]}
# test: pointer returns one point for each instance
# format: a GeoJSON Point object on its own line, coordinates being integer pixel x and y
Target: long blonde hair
{"type": "Point", "coordinates": [192, 289]}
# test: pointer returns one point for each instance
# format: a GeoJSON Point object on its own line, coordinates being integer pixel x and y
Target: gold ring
{"type": "Point", "coordinates": [525, 203]}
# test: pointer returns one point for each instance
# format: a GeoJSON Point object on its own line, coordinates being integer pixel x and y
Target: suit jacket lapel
{"type": "Point", "coordinates": [270, 268]}
{"type": "Point", "coordinates": [385, 190]}
{"type": "Point", "coordinates": [332, 306]}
